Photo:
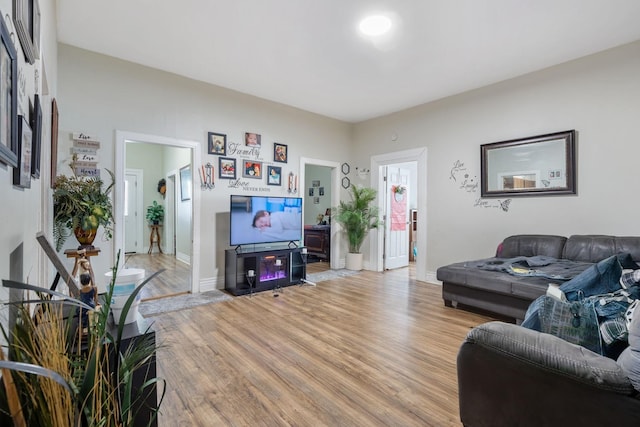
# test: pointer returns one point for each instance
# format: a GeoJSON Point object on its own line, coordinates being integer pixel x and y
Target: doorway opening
{"type": "Point", "coordinates": [180, 244]}
{"type": "Point", "coordinates": [399, 202]}
{"type": "Point", "coordinates": [334, 186]}
{"type": "Point", "coordinates": [377, 244]}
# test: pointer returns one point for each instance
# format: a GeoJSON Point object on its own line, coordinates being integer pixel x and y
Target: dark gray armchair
{"type": "Point", "coordinates": [512, 376]}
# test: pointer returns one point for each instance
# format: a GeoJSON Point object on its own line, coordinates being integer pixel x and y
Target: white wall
{"type": "Point", "coordinates": [24, 212]}
{"type": "Point", "coordinates": [100, 95]}
{"type": "Point", "coordinates": [598, 96]}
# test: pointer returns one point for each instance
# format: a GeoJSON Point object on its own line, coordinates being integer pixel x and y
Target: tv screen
{"type": "Point", "coordinates": [263, 219]}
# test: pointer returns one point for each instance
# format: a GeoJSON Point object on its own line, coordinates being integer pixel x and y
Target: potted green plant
{"type": "Point", "coordinates": [81, 205]}
{"type": "Point", "coordinates": [53, 383]}
{"type": "Point", "coordinates": [155, 213]}
{"type": "Point", "coordinates": [357, 216]}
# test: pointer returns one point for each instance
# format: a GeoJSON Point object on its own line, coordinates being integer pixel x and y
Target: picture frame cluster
{"type": "Point", "coordinates": [218, 144]}
{"type": "Point", "coordinates": [20, 133]}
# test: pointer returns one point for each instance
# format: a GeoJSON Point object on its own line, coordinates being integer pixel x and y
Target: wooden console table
{"type": "Point", "coordinates": [154, 237]}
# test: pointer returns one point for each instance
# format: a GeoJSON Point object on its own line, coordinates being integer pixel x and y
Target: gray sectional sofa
{"type": "Point", "coordinates": [484, 284]}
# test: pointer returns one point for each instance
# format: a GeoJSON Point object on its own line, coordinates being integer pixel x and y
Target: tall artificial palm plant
{"type": "Point", "coordinates": [357, 216]}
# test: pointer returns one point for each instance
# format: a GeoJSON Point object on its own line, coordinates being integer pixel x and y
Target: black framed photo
{"type": "Point", "coordinates": [185, 183]}
{"type": "Point", "coordinates": [22, 173]}
{"type": "Point", "coordinates": [279, 153]}
{"type": "Point", "coordinates": [54, 140]}
{"type": "Point", "coordinates": [26, 17]}
{"type": "Point", "coordinates": [217, 143]}
{"type": "Point", "coordinates": [251, 169]}
{"type": "Point", "coordinates": [274, 175]}
{"type": "Point", "coordinates": [8, 99]}
{"type": "Point", "coordinates": [227, 168]}
{"type": "Point", "coordinates": [36, 128]}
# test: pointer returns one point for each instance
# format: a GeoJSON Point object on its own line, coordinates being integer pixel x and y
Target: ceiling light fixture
{"type": "Point", "coordinates": [375, 25]}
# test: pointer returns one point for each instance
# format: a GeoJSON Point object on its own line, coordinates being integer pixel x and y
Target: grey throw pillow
{"type": "Point", "coordinates": [629, 359]}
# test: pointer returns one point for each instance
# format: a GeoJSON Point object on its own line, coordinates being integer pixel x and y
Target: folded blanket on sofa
{"type": "Point", "coordinates": [533, 266]}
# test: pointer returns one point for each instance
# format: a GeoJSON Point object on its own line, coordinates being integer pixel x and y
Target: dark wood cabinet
{"type": "Point", "coordinates": [269, 269]}
{"type": "Point", "coordinates": [317, 240]}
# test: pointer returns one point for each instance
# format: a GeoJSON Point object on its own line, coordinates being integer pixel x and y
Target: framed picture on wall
{"type": "Point", "coordinates": [27, 22]}
{"type": "Point", "coordinates": [54, 141]}
{"type": "Point", "coordinates": [279, 153]}
{"type": "Point", "coordinates": [185, 183]}
{"type": "Point", "coordinates": [8, 99]}
{"type": "Point", "coordinates": [36, 128]}
{"type": "Point", "coordinates": [252, 139]}
{"type": "Point", "coordinates": [251, 169]}
{"type": "Point", "coordinates": [274, 175]}
{"type": "Point", "coordinates": [22, 173]}
{"type": "Point", "coordinates": [227, 168]}
{"type": "Point", "coordinates": [217, 143]}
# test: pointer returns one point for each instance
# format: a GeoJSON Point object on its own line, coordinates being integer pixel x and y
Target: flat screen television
{"type": "Point", "coordinates": [264, 219]}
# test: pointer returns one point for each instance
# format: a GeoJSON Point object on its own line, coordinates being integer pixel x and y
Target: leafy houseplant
{"type": "Point", "coordinates": [357, 216]}
{"type": "Point", "coordinates": [155, 213]}
{"type": "Point", "coordinates": [56, 382]}
{"type": "Point", "coordinates": [80, 205]}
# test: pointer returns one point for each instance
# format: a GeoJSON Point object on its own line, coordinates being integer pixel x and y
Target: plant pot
{"type": "Point", "coordinates": [85, 237]}
{"type": "Point", "coordinates": [354, 261]}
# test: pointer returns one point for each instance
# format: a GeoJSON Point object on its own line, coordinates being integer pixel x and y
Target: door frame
{"type": "Point", "coordinates": [139, 174]}
{"type": "Point", "coordinates": [376, 245]}
{"type": "Point", "coordinates": [387, 212]}
{"type": "Point", "coordinates": [122, 137]}
{"type": "Point", "coordinates": [335, 200]}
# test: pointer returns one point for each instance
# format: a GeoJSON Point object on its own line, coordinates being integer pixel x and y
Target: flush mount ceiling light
{"type": "Point", "coordinates": [375, 25]}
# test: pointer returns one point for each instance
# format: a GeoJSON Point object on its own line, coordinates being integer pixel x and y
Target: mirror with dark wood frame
{"type": "Point", "coordinates": [540, 165]}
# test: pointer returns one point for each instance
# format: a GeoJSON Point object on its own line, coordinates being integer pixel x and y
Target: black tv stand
{"type": "Point", "coordinates": [248, 272]}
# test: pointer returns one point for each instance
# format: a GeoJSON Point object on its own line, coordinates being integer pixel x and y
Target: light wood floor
{"type": "Point", "coordinates": [374, 349]}
{"type": "Point", "coordinates": [175, 280]}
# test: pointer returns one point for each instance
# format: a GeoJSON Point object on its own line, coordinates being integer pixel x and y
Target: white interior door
{"type": "Point", "coordinates": [133, 214]}
{"type": "Point", "coordinates": [397, 218]}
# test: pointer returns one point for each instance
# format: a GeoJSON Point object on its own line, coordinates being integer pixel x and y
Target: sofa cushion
{"type": "Point", "coordinates": [532, 245]}
{"type": "Point", "coordinates": [629, 359]}
{"type": "Point", "coordinates": [552, 353]}
{"type": "Point", "coordinates": [593, 248]}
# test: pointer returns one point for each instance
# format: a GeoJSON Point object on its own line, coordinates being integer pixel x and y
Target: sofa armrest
{"type": "Point", "coordinates": [509, 375]}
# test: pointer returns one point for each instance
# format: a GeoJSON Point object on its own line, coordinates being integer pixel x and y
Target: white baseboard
{"type": "Point", "coordinates": [431, 278]}
{"type": "Point", "coordinates": [209, 284]}
{"type": "Point", "coordinates": [183, 257]}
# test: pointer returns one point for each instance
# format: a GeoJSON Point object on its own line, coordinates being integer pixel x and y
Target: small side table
{"type": "Point", "coordinates": [80, 255]}
{"type": "Point", "coordinates": [154, 237]}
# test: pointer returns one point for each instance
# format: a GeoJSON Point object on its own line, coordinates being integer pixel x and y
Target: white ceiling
{"type": "Point", "coordinates": [309, 54]}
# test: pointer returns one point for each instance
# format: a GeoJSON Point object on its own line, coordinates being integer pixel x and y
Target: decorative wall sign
{"type": "Point", "coordinates": [84, 152]}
